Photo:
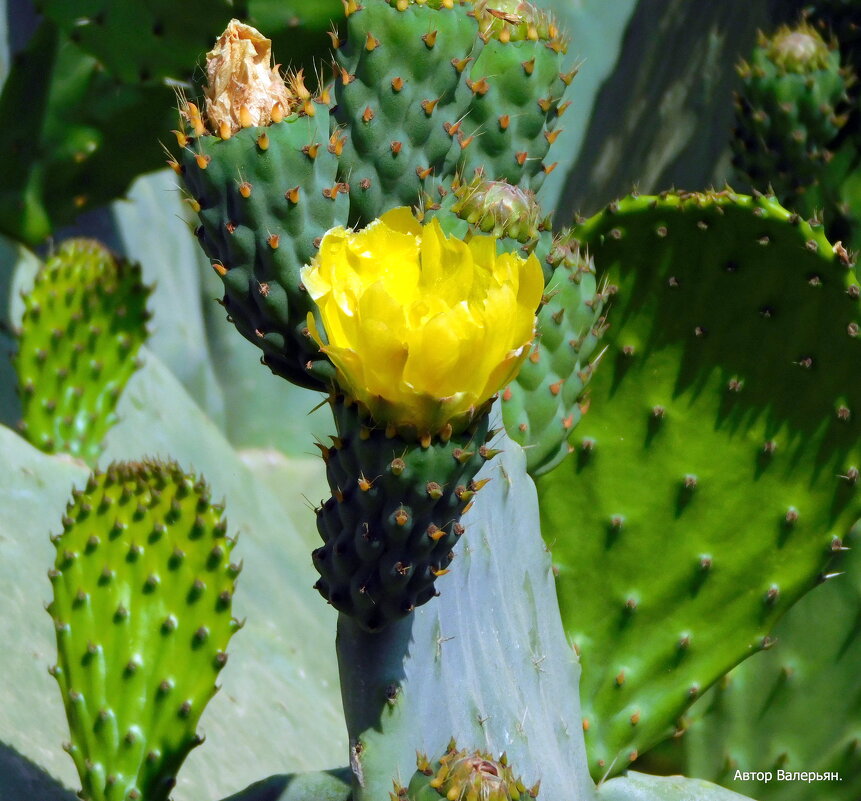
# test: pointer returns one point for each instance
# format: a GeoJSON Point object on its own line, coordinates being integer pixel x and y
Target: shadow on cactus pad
{"type": "Point", "coordinates": [721, 451]}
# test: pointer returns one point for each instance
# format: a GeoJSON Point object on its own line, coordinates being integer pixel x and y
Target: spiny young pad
{"type": "Point", "coordinates": [394, 515]}
{"type": "Point", "coordinates": [721, 450]}
{"type": "Point", "coordinates": [544, 404]}
{"type": "Point", "coordinates": [789, 111]}
{"type": "Point", "coordinates": [265, 194]}
{"type": "Point", "coordinates": [84, 322]}
{"type": "Point", "coordinates": [460, 775]}
{"type": "Point", "coordinates": [142, 596]}
{"type": "Point", "coordinates": [399, 96]}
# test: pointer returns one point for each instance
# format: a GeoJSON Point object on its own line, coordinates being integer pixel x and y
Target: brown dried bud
{"type": "Point", "coordinates": [243, 85]}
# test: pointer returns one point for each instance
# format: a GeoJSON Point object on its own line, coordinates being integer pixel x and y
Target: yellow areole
{"type": "Point", "coordinates": [422, 328]}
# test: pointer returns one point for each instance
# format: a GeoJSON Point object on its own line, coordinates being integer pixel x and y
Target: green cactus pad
{"type": "Point", "coordinates": [83, 324]}
{"type": "Point", "coordinates": [142, 596]}
{"type": "Point", "coordinates": [394, 515]}
{"type": "Point", "coordinates": [795, 707]}
{"type": "Point", "coordinates": [144, 42]}
{"type": "Point", "coordinates": [542, 406]}
{"type": "Point", "coordinates": [515, 87]}
{"type": "Point", "coordinates": [265, 197]}
{"type": "Point", "coordinates": [716, 470]}
{"type": "Point", "coordinates": [400, 96]}
{"type": "Point", "coordinates": [75, 136]}
{"type": "Point", "coordinates": [789, 111]}
{"type": "Point", "coordinates": [464, 776]}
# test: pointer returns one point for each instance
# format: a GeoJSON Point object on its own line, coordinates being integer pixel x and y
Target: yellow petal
{"type": "Point", "coordinates": [401, 220]}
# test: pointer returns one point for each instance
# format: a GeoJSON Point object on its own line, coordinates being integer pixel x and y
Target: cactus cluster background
{"type": "Point", "coordinates": [563, 292]}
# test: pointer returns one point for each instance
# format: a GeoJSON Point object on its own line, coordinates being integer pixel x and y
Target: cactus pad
{"type": "Point", "coordinates": [788, 113]}
{"type": "Point", "coordinates": [265, 196]}
{"type": "Point", "coordinates": [464, 776]}
{"type": "Point", "coordinates": [544, 403]}
{"type": "Point", "coordinates": [83, 323]}
{"type": "Point", "coordinates": [393, 518]}
{"type": "Point", "coordinates": [721, 451]}
{"type": "Point", "coordinates": [400, 95]}
{"type": "Point", "coordinates": [142, 596]}
{"type": "Point", "coordinates": [765, 711]}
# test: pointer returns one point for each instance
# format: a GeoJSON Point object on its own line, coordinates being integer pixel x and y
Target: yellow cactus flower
{"type": "Point", "coordinates": [423, 329]}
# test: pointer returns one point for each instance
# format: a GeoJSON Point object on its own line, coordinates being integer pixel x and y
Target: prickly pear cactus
{"type": "Point", "coordinates": [473, 631]}
{"type": "Point", "coordinates": [789, 111]}
{"type": "Point", "coordinates": [425, 90]}
{"type": "Point", "coordinates": [392, 522]}
{"type": "Point", "coordinates": [721, 451]}
{"type": "Point", "coordinates": [464, 775]}
{"type": "Point", "coordinates": [83, 324]}
{"type": "Point", "coordinates": [143, 585]}
{"type": "Point", "coordinates": [545, 402]}
{"type": "Point", "coordinates": [261, 171]}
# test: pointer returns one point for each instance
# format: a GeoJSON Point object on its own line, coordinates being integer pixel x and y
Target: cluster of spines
{"type": "Point", "coordinates": [393, 519]}
{"type": "Point", "coordinates": [83, 324]}
{"type": "Point", "coordinates": [460, 775]}
{"type": "Point", "coordinates": [142, 586]}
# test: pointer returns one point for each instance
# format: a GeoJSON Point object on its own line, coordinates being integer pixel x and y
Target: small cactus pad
{"type": "Point", "coordinates": [83, 324]}
{"type": "Point", "coordinates": [789, 111]}
{"type": "Point", "coordinates": [142, 595]}
{"type": "Point", "coordinates": [144, 42]}
{"type": "Point", "coordinates": [394, 515]}
{"type": "Point", "coordinates": [464, 776]}
{"type": "Point", "coordinates": [544, 403]}
{"type": "Point", "coordinates": [721, 451]}
{"type": "Point", "coordinates": [265, 195]}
